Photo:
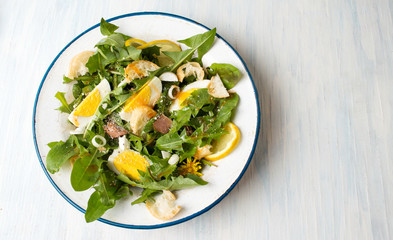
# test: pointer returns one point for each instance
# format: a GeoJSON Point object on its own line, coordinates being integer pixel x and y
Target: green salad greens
{"type": "Point", "coordinates": [146, 116]}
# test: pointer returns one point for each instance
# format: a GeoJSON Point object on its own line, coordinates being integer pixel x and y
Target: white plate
{"type": "Point", "coordinates": [48, 124]}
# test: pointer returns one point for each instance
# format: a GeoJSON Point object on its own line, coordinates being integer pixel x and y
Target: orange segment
{"type": "Point", "coordinates": [129, 162]}
{"type": "Point", "coordinates": [89, 105]}
{"type": "Point", "coordinates": [225, 144]}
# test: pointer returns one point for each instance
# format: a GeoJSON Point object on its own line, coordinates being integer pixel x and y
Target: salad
{"type": "Point", "coordinates": [147, 116]}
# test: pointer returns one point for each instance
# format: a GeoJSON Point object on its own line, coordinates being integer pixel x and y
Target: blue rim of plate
{"type": "Point", "coordinates": [163, 224]}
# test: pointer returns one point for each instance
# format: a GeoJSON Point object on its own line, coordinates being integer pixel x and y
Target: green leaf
{"type": "Point", "coordinates": [52, 144]}
{"type": "Point", "coordinates": [170, 141]}
{"type": "Point", "coordinates": [67, 79]}
{"type": "Point", "coordinates": [180, 118]}
{"type": "Point", "coordinates": [95, 207]}
{"type": "Point", "coordinates": [228, 73]}
{"type": "Point", "coordinates": [60, 152]}
{"type": "Point", "coordinates": [107, 56]}
{"type": "Point", "coordinates": [160, 167]}
{"type": "Point", "coordinates": [116, 40]}
{"type": "Point", "coordinates": [107, 28]}
{"type": "Point", "coordinates": [129, 53]}
{"type": "Point", "coordinates": [146, 194]}
{"type": "Point", "coordinates": [108, 190]}
{"type": "Point", "coordinates": [198, 99]}
{"type": "Point", "coordinates": [176, 183]}
{"type": "Point", "coordinates": [93, 64]}
{"type": "Point", "coordinates": [85, 172]}
{"type": "Point", "coordinates": [66, 108]}
{"type": "Point", "coordinates": [196, 179]}
{"type": "Point", "coordinates": [224, 112]}
{"type": "Point", "coordinates": [201, 42]}
{"type": "Point", "coordinates": [77, 90]}
{"type": "Point", "coordinates": [180, 57]}
{"type": "Point", "coordinates": [189, 150]}
{"type": "Point", "coordinates": [125, 179]}
{"type": "Point", "coordinates": [151, 53]}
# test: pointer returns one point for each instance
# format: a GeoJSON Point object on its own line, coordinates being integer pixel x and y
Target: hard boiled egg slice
{"type": "Point", "coordinates": [139, 104]}
{"type": "Point", "coordinates": [186, 92]}
{"type": "Point", "coordinates": [83, 113]}
{"type": "Point", "coordinates": [127, 161]}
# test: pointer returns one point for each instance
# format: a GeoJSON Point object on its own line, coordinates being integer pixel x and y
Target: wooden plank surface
{"type": "Point", "coordinates": [323, 167]}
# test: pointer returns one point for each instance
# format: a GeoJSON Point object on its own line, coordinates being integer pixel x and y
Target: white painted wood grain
{"type": "Point", "coordinates": [323, 168]}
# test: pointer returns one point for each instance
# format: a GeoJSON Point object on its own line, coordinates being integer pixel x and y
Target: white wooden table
{"type": "Point", "coordinates": [323, 168]}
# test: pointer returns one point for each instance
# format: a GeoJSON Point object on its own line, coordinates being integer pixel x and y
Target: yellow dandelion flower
{"type": "Point", "coordinates": [191, 166]}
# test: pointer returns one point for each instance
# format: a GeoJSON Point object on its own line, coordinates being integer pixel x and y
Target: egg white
{"type": "Point", "coordinates": [124, 144]}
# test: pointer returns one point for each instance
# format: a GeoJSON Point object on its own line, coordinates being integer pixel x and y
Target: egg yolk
{"type": "Point", "coordinates": [89, 105]}
{"type": "Point", "coordinates": [129, 162]}
{"type": "Point", "coordinates": [184, 95]}
{"type": "Point", "coordinates": [141, 98]}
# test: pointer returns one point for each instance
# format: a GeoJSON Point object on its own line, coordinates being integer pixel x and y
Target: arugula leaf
{"type": "Point", "coordinates": [189, 150]}
{"type": "Point", "coordinates": [60, 152]}
{"type": "Point", "coordinates": [116, 40]}
{"type": "Point", "coordinates": [85, 172]}
{"type": "Point", "coordinates": [160, 167]}
{"type": "Point", "coordinates": [201, 42]}
{"type": "Point", "coordinates": [198, 99]}
{"type": "Point", "coordinates": [108, 56]}
{"type": "Point", "coordinates": [151, 53]}
{"type": "Point", "coordinates": [129, 53]}
{"type": "Point", "coordinates": [146, 194]}
{"type": "Point", "coordinates": [224, 112]}
{"type": "Point", "coordinates": [170, 141]}
{"type": "Point", "coordinates": [125, 179]}
{"type": "Point", "coordinates": [94, 63]}
{"type": "Point", "coordinates": [179, 57]}
{"type": "Point", "coordinates": [172, 183]}
{"type": "Point", "coordinates": [196, 179]}
{"type": "Point", "coordinates": [108, 191]}
{"type": "Point", "coordinates": [228, 73]}
{"type": "Point", "coordinates": [65, 108]}
{"type": "Point", "coordinates": [176, 183]}
{"type": "Point", "coordinates": [110, 188]}
{"type": "Point", "coordinates": [67, 79]}
{"type": "Point", "coordinates": [180, 118]}
{"type": "Point", "coordinates": [95, 207]}
{"type": "Point", "coordinates": [165, 101]}
{"type": "Point", "coordinates": [107, 28]}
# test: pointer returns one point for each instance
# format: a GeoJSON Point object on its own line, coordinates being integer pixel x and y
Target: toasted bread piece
{"type": "Point", "coordinates": [78, 64]}
{"type": "Point", "coordinates": [139, 117]}
{"type": "Point", "coordinates": [188, 69]}
{"type": "Point", "coordinates": [139, 69]}
{"type": "Point", "coordinates": [202, 152]}
{"type": "Point", "coordinates": [164, 206]}
{"type": "Point", "coordinates": [216, 88]}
